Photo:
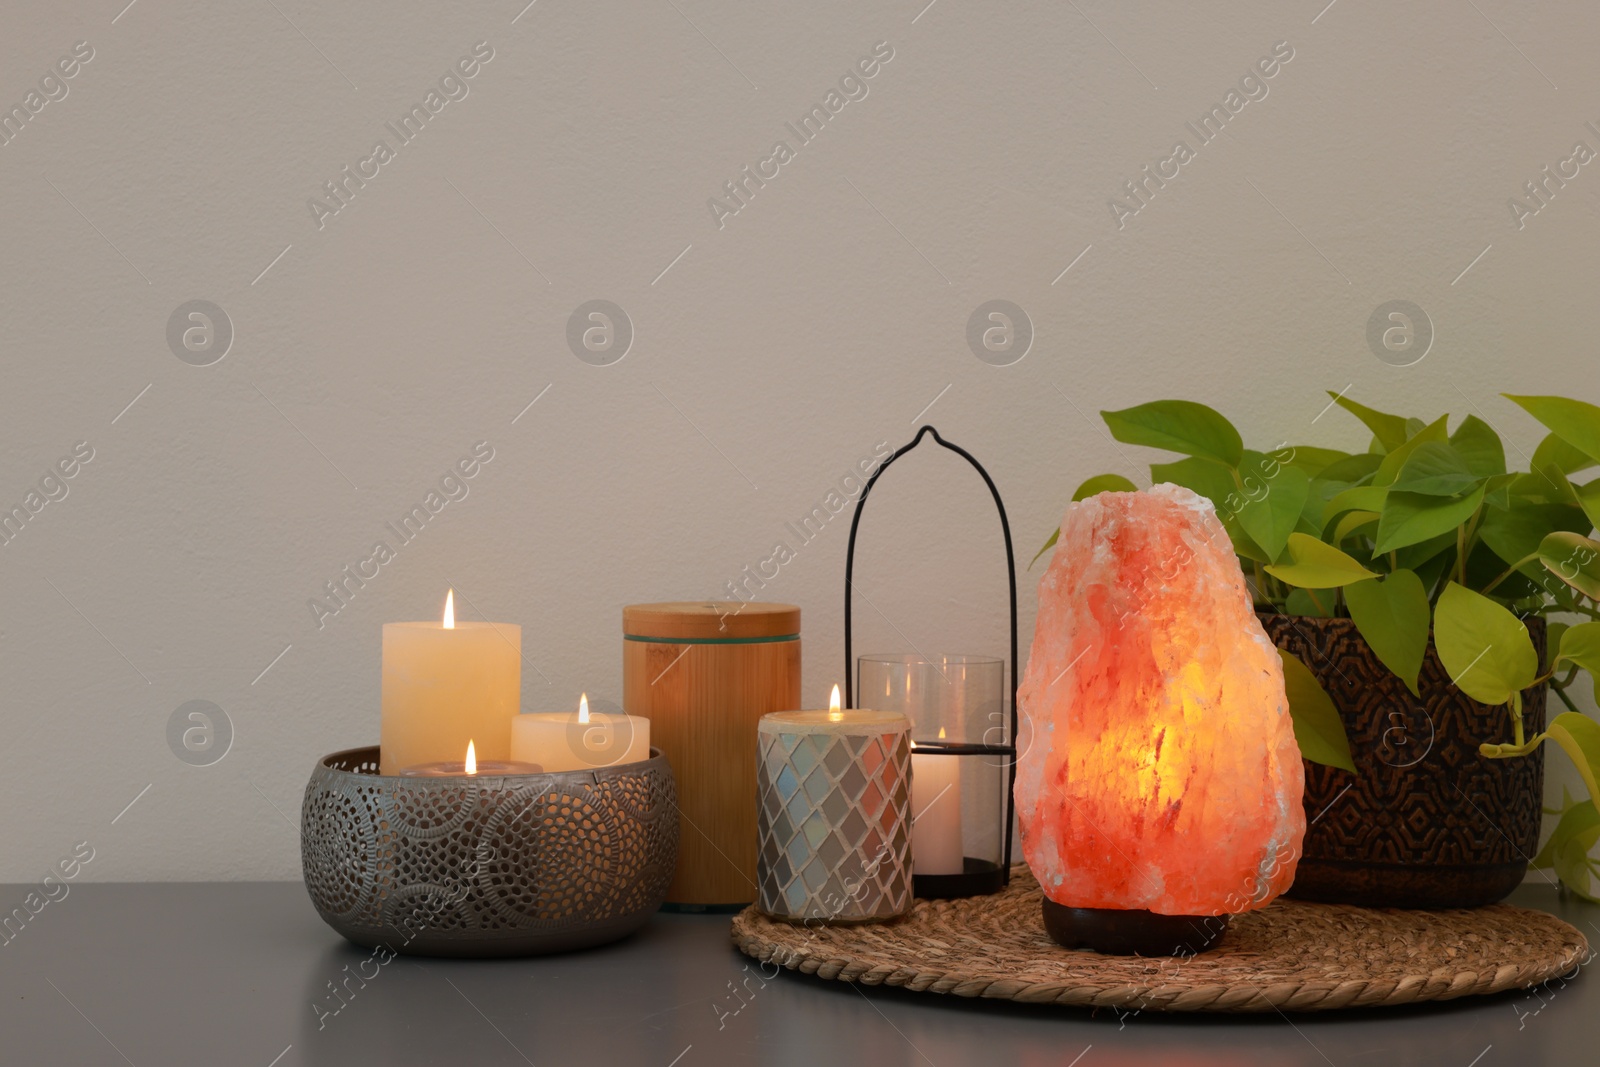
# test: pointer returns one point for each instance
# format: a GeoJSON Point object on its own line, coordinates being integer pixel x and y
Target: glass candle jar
{"type": "Point", "coordinates": [961, 755]}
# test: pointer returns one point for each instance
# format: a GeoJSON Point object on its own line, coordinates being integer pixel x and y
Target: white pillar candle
{"type": "Point", "coordinates": [936, 810]}
{"type": "Point", "coordinates": [579, 740]}
{"type": "Point", "coordinates": [446, 684]}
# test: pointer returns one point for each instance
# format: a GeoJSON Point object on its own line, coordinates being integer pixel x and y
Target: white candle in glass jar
{"type": "Point", "coordinates": [936, 846]}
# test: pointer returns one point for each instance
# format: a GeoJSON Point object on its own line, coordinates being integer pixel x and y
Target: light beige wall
{"type": "Point", "coordinates": [769, 354]}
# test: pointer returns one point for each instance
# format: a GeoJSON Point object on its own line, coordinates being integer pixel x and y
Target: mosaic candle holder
{"type": "Point", "coordinates": [834, 829]}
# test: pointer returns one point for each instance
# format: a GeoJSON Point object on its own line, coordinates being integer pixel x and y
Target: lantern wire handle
{"type": "Point", "coordinates": [1011, 575]}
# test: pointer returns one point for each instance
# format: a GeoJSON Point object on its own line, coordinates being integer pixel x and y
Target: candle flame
{"type": "Point", "coordinates": [472, 760]}
{"type": "Point", "coordinates": [941, 733]}
{"type": "Point", "coordinates": [583, 707]}
{"type": "Point", "coordinates": [834, 714]}
{"type": "Point", "coordinates": [450, 611]}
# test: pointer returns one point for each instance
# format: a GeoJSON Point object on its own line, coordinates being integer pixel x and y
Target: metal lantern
{"type": "Point", "coordinates": [963, 730]}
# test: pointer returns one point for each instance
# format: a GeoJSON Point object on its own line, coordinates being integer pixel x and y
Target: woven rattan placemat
{"type": "Point", "coordinates": [1291, 955]}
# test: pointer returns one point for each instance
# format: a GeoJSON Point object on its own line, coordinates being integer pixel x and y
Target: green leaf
{"type": "Point", "coordinates": [1574, 421]}
{"type": "Point", "coordinates": [1311, 513]}
{"type": "Point", "coordinates": [1389, 466]}
{"type": "Point", "coordinates": [1554, 634]}
{"type": "Point", "coordinates": [1514, 535]}
{"type": "Point", "coordinates": [1497, 490]}
{"type": "Point", "coordinates": [1478, 444]}
{"type": "Point", "coordinates": [1356, 498]}
{"type": "Point", "coordinates": [1104, 483]}
{"type": "Point", "coordinates": [1311, 459]}
{"type": "Point", "coordinates": [1421, 557]}
{"type": "Point", "coordinates": [1392, 614]}
{"type": "Point", "coordinates": [1342, 474]}
{"type": "Point", "coordinates": [1272, 505]}
{"type": "Point", "coordinates": [1575, 819]}
{"type": "Point", "coordinates": [1313, 564]}
{"type": "Point", "coordinates": [1055, 535]}
{"type": "Point", "coordinates": [1214, 482]}
{"type": "Point", "coordinates": [1567, 850]}
{"type": "Point", "coordinates": [1390, 430]}
{"type": "Point", "coordinates": [1572, 862]}
{"type": "Point", "coordinates": [1544, 485]}
{"type": "Point", "coordinates": [1409, 518]}
{"type": "Point", "coordinates": [1556, 455]}
{"type": "Point", "coordinates": [1180, 426]}
{"type": "Point", "coordinates": [1352, 522]}
{"type": "Point", "coordinates": [1485, 648]}
{"type": "Point", "coordinates": [1564, 597]}
{"type": "Point", "coordinates": [1313, 603]}
{"type": "Point", "coordinates": [1589, 501]}
{"type": "Point", "coordinates": [1430, 568]}
{"type": "Point", "coordinates": [1484, 568]}
{"type": "Point", "coordinates": [1578, 644]}
{"type": "Point", "coordinates": [1317, 726]}
{"type": "Point", "coordinates": [1574, 559]}
{"type": "Point", "coordinates": [1434, 468]}
{"type": "Point", "coordinates": [1579, 736]}
{"type": "Point", "coordinates": [1242, 544]}
{"type": "Point", "coordinates": [1211, 480]}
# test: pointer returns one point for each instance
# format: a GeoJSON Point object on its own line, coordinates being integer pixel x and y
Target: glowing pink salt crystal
{"type": "Point", "coordinates": [1160, 770]}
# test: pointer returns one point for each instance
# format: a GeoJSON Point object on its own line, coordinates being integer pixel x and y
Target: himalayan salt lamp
{"type": "Point", "coordinates": [1161, 789]}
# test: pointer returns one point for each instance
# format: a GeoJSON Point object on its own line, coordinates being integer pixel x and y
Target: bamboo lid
{"type": "Point", "coordinates": [710, 620]}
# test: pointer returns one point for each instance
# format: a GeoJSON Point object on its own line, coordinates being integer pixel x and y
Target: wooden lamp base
{"type": "Point", "coordinates": [1133, 932]}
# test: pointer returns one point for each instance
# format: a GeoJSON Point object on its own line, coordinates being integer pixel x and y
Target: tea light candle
{"type": "Point", "coordinates": [936, 846]}
{"type": "Point", "coordinates": [834, 834]}
{"type": "Point", "coordinates": [445, 684]}
{"type": "Point", "coordinates": [471, 765]}
{"type": "Point", "coordinates": [581, 740]}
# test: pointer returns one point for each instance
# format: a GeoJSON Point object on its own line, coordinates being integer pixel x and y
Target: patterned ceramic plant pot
{"type": "Point", "coordinates": [1425, 822]}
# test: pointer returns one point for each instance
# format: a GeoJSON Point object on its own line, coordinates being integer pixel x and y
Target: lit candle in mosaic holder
{"type": "Point", "coordinates": [834, 835]}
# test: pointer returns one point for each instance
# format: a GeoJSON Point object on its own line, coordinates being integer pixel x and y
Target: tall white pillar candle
{"type": "Point", "coordinates": [936, 808]}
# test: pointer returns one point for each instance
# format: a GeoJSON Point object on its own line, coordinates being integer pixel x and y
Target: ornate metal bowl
{"type": "Point", "coordinates": [487, 865]}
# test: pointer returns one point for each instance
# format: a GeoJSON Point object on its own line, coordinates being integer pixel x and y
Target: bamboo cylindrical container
{"type": "Point", "coordinates": [704, 673]}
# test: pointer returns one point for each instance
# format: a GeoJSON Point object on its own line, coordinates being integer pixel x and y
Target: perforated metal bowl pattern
{"type": "Point", "coordinates": [487, 865]}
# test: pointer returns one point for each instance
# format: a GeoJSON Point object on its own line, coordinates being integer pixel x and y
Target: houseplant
{"type": "Point", "coordinates": [1435, 566]}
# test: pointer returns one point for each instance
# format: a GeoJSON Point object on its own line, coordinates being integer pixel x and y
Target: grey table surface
{"type": "Point", "coordinates": [202, 973]}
